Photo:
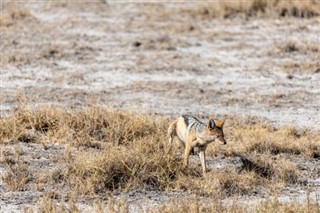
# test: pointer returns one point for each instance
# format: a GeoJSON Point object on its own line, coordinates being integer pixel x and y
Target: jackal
{"type": "Point", "coordinates": [193, 133]}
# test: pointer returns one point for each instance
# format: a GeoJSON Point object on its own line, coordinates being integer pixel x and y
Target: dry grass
{"type": "Point", "coordinates": [87, 127]}
{"type": "Point", "coordinates": [18, 174]}
{"type": "Point", "coordinates": [254, 139]}
{"type": "Point", "coordinates": [306, 66]}
{"type": "Point", "coordinates": [126, 150]}
{"type": "Point", "coordinates": [302, 47]}
{"type": "Point", "coordinates": [221, 184]}
{"type": "Point", "coordinates": [18, 13]}
{"type": "Point", "coordinates": [200, 206]}
{"type": "Point", "coordinates": [4, 22]}
{"type": "Point", "coordinates": [276, 170]}
{"type": "Point", "coordinates": [17, 177]}
{"type": "Point", "coordinates": [11, 13]}
{"type": "Point", "coordinates": [257, 8]}
{"type": "Point", "coordinates": [120, 169]}
{"type": "Point", "coordinates": [47, 204]}
{"type": "Point", "coordinates": [161, 43]}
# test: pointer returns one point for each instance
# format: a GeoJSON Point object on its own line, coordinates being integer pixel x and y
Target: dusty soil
{"type": "Point", "coordinates": [158, 58]}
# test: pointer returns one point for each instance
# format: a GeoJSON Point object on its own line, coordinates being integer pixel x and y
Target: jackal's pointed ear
{"type": "Point", "coordinates": [211, 124]}
{"type": "Point", "coordinates": [221, 123]}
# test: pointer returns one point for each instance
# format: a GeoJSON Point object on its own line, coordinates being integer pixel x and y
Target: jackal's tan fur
{"type": "Point", "coordinates": [193, 133]}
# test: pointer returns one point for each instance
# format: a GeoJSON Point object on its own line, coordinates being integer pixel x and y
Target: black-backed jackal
{"type": "Point", "coordinates": [193, 133]}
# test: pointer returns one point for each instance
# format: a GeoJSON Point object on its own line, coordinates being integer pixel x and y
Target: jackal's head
{"type": "Point", "coordinates": [214, 130]}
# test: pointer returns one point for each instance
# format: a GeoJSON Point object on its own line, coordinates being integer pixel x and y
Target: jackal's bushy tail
{"type": "Point", "coordinates": [172, 132]}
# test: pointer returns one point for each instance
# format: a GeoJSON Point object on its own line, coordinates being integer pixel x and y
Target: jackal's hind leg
{"type": "Point", "coordinates": [186, 155]}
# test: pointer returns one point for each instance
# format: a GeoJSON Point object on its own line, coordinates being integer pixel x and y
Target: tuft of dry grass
{"type": "Point", "coordinates": [12, 13]}
{"type": "Point", "coordinates": [290, 46]}
{"type": "Point", "coordinates": [220, 184]}
{"type": "Point", "coordinates": [306, 66]}
{"type": "Point", "coordinates": [17, 176]}
{"type": "Point", "coordinates": [279, 170]}
{"type": "Point", "coordinates": [47, 204]}
{"type": "Point", "coordinates": [120, 169]}
{"type": "Point", "coordinates": [18, 13]}
{"type": "Point", "coordinates": [161, 43]}
{"type": "Point", "coordinates": [4, 21]}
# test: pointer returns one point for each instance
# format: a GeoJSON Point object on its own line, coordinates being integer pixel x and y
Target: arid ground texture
{"type": "Point", "coordinates": [89, 88]}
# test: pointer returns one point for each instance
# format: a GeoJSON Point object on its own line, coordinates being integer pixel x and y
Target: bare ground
{"type": "Point", "coordinates": [157, 58]}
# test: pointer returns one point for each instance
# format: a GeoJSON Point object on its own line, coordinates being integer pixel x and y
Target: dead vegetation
{"type": "Point", "coordinates": [161, 43]}
{"type": "Point", "coordinates": [236, 9]}
{"type": "Point", "coordinates": [263, 139]}
{"type": "Point", "coordinates": [297, 56]}
{"type": "Point", "coordinates": [125, 150]}
{"type": "Point", "coordinates": [12, 13]}
{"type": "Point", "coordinates": [256, 8]}
{"type": "Point", "coordinates": [307, 66]}
{"type": "Point", "coordinates": [302, 47]}
{"type": "Point", "coordinates": [18, 174]}
{"type": "Point", "coordinates": [200, 206]}
{"type": "Point", "coordinates": [47, 204]}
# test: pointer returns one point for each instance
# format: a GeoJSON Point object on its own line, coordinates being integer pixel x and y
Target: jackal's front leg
{"type": "Point", "coordinates": [187, 154]}
{"type": "Point", "coordinates": [202, 155]}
